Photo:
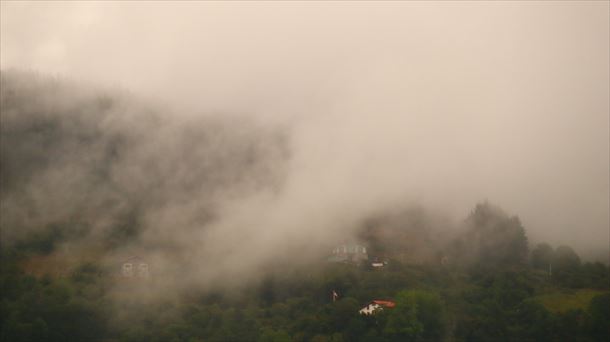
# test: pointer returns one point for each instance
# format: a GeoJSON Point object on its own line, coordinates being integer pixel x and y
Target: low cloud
{"type": "Point", "coordinates": [275, 130]}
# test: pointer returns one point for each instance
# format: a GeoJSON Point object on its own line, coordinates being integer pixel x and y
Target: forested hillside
{"type": "Point", "coordinates": [518, 301]}
{"type": "Point", "coordinates": [83, 161]}
{"type": "Point", "coordinates": [89, 177]}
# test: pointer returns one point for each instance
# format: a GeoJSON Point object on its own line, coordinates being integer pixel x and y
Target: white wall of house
{"type": "Point", "coordinates": [133, 269]}
{"type": "Point", "coordinates": [369, 309]}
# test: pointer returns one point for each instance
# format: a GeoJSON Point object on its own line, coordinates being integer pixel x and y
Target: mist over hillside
{"type": "Point", "coordinates": [93, 168]}
{"type": "Point", "coordinates": [86, 168]}
{"type": "Point", "coordinates": [304, 171]}
{"type": "Point", "coordinates": [104, 170]}
{"type": "Point", "coordinates": [399, 106]}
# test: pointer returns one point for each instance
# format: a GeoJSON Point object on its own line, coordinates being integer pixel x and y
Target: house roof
{"type": "Point", "coordinates": [133, 258]}
{"type": "Point", "coordinates": [350, 245]}
{"type": "Point", "coordinates": [386, 303]}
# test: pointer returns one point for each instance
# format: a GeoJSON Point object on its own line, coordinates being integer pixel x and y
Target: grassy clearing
{"type": "Point", "coordinates": [61, 263]}
{"type": "Point", "coordinates": [562, 301]}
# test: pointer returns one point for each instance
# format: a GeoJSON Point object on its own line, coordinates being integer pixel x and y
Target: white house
{"type": "Point", "coordinates": [135, 267]}
{"type": "Point", "coordinates": [375, 306]}
{"type": "Point", "coordinates": [349, 252]}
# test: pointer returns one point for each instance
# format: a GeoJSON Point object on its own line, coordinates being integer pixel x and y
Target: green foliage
{"type": "Point", "coordinates": [565, 259]}
{"type": "Point", "coordinates": [542, 256]}
{"type": "Point", "coordinates": [494, 299]}
{"type": "Point", "coordinates": [598, 324]}
{"type": "Point", "coordinates": [565, 300]}
{"type": "Point", "coordinates": [270, 335]}
{"type": "Point", "coordinates": [419, 315]}
{"type": "Point", "coordinates": [594, 275]}
{"type": "Point", "coordinates": [493, 239]}
{"type": "Point", "coordinates": [53, 311]}
{"type": "Point", "coordinates": [402, 322]}
{"type": "Point", "coordinates": [566, 267]}
{"type": "Point", "coordinates": [497, 307]}
{"type": "Point", "coordinates": [477, 308]}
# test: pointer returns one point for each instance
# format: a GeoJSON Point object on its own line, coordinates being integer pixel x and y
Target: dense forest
{"type": "Point", "coordinates": [481, 280]}
{"type": "Point", "coordinates": [503, 293]}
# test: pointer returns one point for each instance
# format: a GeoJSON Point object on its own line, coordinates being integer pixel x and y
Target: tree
{"type": "Point", "coordinates": [493, 239]}
{"type": "Point", "coordinates": [542, 256]}
{"type": "Point", "coordinates": [599, 317]}
{"type": "Point", "coordinates": [497, 308]}
{"type": "Point", "coordinates": [569, 325]}
{"type": "Point", "coordinates": [342, 313]}
{"type": "Point", "coordinates": [270, 335]}
{"type": "Point", "coordinates": [566, 259]}
{"type": "Point", "coordinates": [402, 324]}
{"type": "Point", "coordinates": [530, 321]}
{"type": "Point", "coordinates": [417, 315]}
{"type": "Point", "coordinates": [595, 275]}
{"type": "Point", "coordinates": [566, 267]}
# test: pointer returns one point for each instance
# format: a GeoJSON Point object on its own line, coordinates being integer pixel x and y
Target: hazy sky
{"type": "Point", "coordinates": [445, 103]}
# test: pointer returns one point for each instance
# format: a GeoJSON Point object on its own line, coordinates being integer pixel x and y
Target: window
{"type": "Point", "coordinates": [143, 270]}
{"type": "Point", "coordinates": [127, 269]}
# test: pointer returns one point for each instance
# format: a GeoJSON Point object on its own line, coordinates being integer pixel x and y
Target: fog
{"type": "Point", "coordinates": [381, 106]}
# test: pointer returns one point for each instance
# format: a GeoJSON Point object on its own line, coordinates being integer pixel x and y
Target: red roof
{"type": "Point", "coordinates": [386, 303]}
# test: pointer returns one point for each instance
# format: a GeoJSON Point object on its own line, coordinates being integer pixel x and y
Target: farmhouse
{"type": "Point", "coordinates": [349, 252]}
{"type": "Point", "coordinates": [376, 305]}
{"type": "Point", "coordinates": [135, 267]}
{"type": "Point", "coordinates": [379, 263]}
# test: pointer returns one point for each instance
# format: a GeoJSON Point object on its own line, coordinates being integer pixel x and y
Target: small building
{"type": "Point", "coordinates": [135, 267]}
{"type": "Point", "coordinates": [379, 263]}
{"type": "Point", "coordinates": [375, 306]}
{"type": "Point", "coordinates": [349, 252]}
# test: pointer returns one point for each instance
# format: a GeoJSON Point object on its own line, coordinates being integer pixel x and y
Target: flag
{"type": "Point", "coordinates": [335, 295]}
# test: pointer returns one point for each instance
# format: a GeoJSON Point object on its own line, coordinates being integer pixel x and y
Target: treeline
{"type": "Point", "coordinates": [564, 266]}
{"type": "Point", "coordinates": [493, 292]}
{"type": "Point", "coordinates": [430, 306]}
